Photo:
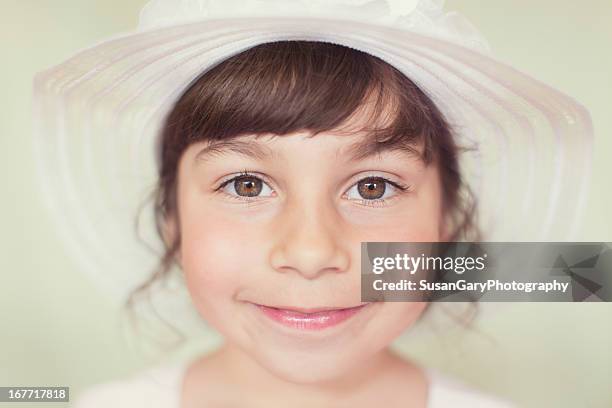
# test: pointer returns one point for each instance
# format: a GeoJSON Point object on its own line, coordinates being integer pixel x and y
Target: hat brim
{"type": "Point", "coordinates": [98, 115]}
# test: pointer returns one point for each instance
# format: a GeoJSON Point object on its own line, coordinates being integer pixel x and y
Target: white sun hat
{"type": "Point", "coordinates": [99, 113]}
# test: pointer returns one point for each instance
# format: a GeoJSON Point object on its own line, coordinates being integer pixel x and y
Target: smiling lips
{"type": "Point", "coordinates": [309, 319]}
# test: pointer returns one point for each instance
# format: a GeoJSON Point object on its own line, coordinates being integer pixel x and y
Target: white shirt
{"type": "Point", "coordinates": [160, 387]}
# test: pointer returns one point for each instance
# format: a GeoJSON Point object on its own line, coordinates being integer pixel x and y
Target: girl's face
{"type": "Point", "coordinates": [270, 231]}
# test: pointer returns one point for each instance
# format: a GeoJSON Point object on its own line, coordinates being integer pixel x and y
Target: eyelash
{"type": "Point", "coordinates": [379, 202]}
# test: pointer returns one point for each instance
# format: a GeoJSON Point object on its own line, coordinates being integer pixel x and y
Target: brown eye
{"type": "Point", "coordinates": [248, 186]}
{"type": "Point", "coordinates": [371, 188]}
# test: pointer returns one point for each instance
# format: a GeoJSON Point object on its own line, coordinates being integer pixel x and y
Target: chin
{"type": "Point", "coordinates": [309, 367]}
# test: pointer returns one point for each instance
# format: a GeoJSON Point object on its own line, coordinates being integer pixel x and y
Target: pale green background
{"type": "Point", "coordinates": [57, 330]}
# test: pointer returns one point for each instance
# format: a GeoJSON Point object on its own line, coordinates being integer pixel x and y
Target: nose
{"type": "Point", "coordinates": [310, 242]}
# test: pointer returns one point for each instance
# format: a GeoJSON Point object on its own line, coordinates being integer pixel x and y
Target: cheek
{"type": "Point", "coordinates": [416, 220]}
{"type": "Point", "coordinates": [409, 229]}
{"type": "Point", "coordinates": [398, 316]}
{"type": "Point", "coordinates": [216, 255]}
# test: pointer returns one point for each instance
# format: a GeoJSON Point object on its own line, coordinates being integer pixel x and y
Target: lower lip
{"type": "Point", "coordinates": [310, 321]}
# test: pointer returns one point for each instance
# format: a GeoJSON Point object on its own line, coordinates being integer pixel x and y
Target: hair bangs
{"type": "Point", "coordinates": [293, 86]}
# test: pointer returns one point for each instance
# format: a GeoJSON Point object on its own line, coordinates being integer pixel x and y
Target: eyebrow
{"type": "Point", "coordinates": [368, 148]}
{"type": "Point", "coordinates": [357, 151]}
{"type": "Point", "coordinates": [249, 149]}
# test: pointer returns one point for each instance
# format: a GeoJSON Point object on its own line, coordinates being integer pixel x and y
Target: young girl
{"type": "Point", "coordinates": [283, 142]}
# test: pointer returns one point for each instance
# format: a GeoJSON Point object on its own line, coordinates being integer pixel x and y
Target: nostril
{"type": "Point", "coordinates": [309, 262]}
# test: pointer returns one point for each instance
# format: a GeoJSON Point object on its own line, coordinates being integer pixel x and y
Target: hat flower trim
{"type": "Point", "coordinates": [425, 17]}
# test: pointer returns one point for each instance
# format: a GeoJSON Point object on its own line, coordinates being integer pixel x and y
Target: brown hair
{"type": "Point", "coordinates": [284, 87]}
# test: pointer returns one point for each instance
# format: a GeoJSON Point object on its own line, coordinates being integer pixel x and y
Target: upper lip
{"type": "Point", "coordinates": [306, 310]}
